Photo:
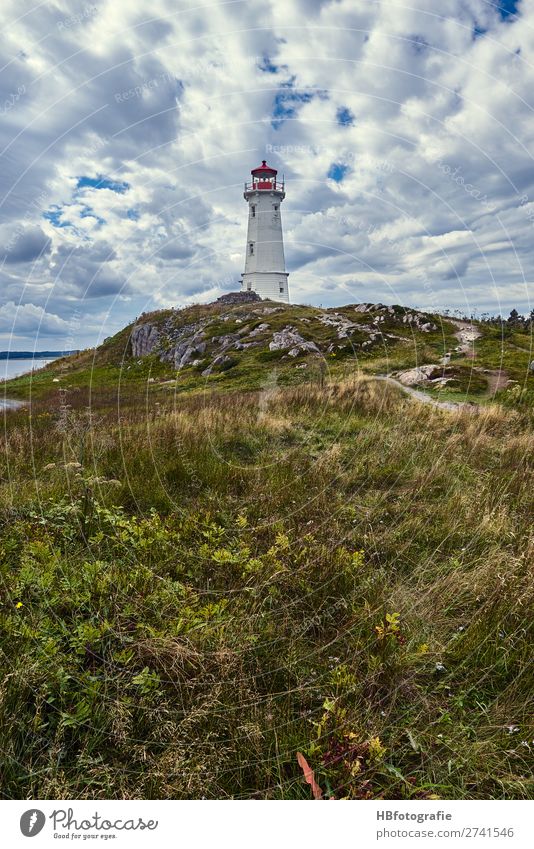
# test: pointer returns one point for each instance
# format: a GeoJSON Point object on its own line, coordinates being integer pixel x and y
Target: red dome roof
{"type": "Point", "coordinates": [264, 170]}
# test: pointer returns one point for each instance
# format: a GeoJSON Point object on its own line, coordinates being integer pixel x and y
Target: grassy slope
{"type": "Point", "coordinates": [111, 366]}
{"type": "Point", "coordinates": [207, 581]}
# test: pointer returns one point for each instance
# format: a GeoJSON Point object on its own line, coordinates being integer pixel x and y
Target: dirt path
{"type": "Point", "coordinates": [466, 335]}
{"type": "Point", "coordinates": [451, 406]}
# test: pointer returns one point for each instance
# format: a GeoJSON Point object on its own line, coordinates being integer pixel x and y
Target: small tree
{"type": "Point", "coordinates": [516, 320]}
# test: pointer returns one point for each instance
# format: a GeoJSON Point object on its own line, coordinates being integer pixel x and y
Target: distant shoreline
{"type": "Point", "coordinates": [34, 355]}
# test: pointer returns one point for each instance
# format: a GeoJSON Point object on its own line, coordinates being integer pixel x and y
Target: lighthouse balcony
{"type": "Point", "coordinates": [265, 185]}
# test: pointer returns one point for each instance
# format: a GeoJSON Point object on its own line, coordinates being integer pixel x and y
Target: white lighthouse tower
{"type": "Point", "coordinates": [265, 268]}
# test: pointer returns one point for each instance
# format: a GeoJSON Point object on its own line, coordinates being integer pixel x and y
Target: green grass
{"type": "Point", "coordinates": [112, 363]}
{"type": "Point", "coordinates": [511, 352]}
{"type": "Point", "coordinates": [197, 586]}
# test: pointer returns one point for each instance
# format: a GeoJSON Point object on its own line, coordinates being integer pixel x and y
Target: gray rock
{"type": "Point", "coordinates": [419, 375]}
{"type": "Point", "coordinates": [225, 341]}
{"type": "Point", "coordinates": [144, 339]}
{"type": "Point", "coordinates": [219, 360]}
{"type": "Point", "coordinates": [261, 328]}
{"type": "Point", "coordinates": [188, 355]}
{"type": "Point", "coordinates": [291, 339]}
{"type": "Point", "coordinates": [238, 298]}
{"type": "Point", "coordinates": [339, 322]}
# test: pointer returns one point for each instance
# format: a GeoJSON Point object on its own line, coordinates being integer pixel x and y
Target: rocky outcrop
{"type": "Point", "coordinates": [236, 298]}
{"type": "Point", "coordinates": [398, 315]}
{"type": "Point", "coordinates": [220, 361]}
{"type": "Point", "coordinates": [217, 337]}
{"type": "Point", "coordinates": [261, 328]}
{"type": "Point", "coordinates": [339, 322]}
{"type": "Point", "coordinates": [419, 376]}
{"type": "Point", "coordinates": [144, 339]}
{"type": "Point", "coordinates": [189, 347]}
{"type": "Point", "coordinates": [290, 338]}
{"type": "Point", "coordinates": [419, 322]}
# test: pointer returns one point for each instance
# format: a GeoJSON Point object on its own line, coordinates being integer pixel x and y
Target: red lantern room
{"type": "Point", "coordinates": [264, 178]}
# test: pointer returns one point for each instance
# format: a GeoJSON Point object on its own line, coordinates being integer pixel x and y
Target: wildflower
{"type": "Point", "coordinates": [282, 540]}
{"type": "Point", "coordinates": [376, 749]}
{"type": "Point", "coordinates": [440, 667]}
{"type": "Point", "coordinates": [19, 605]}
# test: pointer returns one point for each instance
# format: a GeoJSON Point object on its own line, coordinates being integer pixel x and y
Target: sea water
{"type": "Point", "coordinates": [14, 368]}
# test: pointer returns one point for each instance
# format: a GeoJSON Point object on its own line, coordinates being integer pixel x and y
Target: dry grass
{"type": "Point", "coordinates": [195, 607]}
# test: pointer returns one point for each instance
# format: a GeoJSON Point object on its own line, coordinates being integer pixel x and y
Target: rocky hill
{"type": "Point", "coordinates": [215, 340]}
{"type": "Point", "coordinates": [237, 340]}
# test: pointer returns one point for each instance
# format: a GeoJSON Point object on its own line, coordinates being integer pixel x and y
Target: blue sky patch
{"type": "Point", "coordinates": [286, 103]}
{"type": "Point", "coordinates": [54, 216]}
{"type": "Point", "coordinates": [267, 66]}
{"type": "Point", "coordinates": [506, 8]}
{"type": "Point", "coordinates": [344, 117]}
{"type": "Point", "coordinates": [102, 183]}
{"type": "Point", "coordinates": [132, 214]}
{"type": "Point", "coordinates": [337, 171]}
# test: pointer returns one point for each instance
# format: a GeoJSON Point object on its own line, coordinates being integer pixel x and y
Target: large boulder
{"type": "Point", "coordinates": [419, 376]}
{"type": "Point", "coordinates": [239, 298]}
{"type": "Point", "coordinates": [290, 339]}
{"type": "Point", "coordinates": [144, 339]}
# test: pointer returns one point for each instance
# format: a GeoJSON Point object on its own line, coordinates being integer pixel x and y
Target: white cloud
{"type": "Point", "coordinates": [28, 319]}
{"type": "Point", "coordinates": [179, 105]}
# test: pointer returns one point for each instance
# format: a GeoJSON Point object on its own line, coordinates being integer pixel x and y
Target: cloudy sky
{"type": "Point", "coordinates": [405, 131]}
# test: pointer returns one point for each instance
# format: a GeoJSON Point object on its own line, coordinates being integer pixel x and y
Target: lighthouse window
{"type": "Point", "coordinates": [251, 248]}
{"type": "Point", "coordinates": [253, 211]}
{"type": "Point", "coordinates": [276, 207]}
{"type": "Point", "coordinates": [281, 288]}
